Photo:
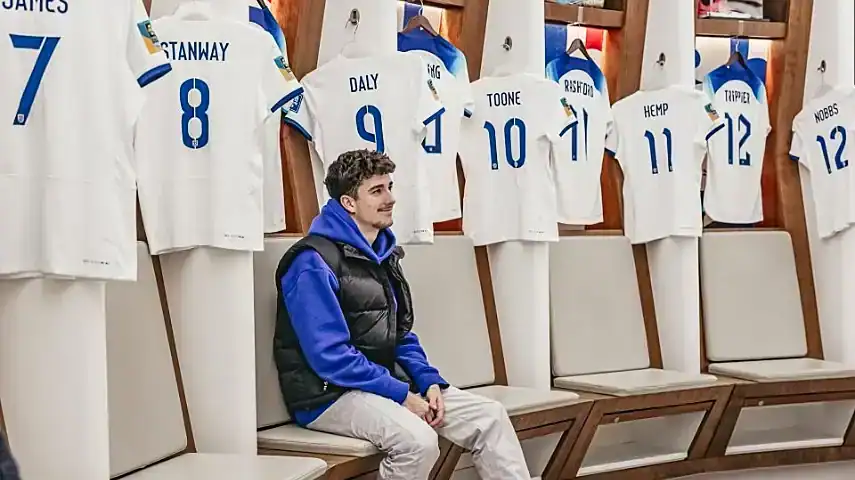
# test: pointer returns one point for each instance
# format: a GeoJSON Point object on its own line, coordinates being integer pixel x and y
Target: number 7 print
{"type": "Point", "coordinates": [46, 47]}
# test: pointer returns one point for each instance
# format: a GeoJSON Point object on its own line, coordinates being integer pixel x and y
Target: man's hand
{"type": "Point", "coordinates": [437, 406]}
{"type": "Point", "coordinates": [417, 405]}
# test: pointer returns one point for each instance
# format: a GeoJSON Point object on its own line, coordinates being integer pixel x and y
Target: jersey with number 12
{"type": "Point", "coordinates": [823, 137]}
{"type": "Point", "coordinates": [383, 103]}
{"type": "Point", "coordinates": [735, 163]}
{"type": "Point", "coordinates": [197, 147]}
{"type": "Point", "coordinates": [71, 78]}
{"type": "Point", "coordinates": [659, 139]}
{"type": "Point", "coordinates": [510, 156]}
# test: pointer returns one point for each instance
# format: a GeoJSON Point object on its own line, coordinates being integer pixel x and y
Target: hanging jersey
{"type": "Point", "coordinates": [71, 76]}
{"type": "Point", "coordinates": [507, 159]}
{"type": "Point", "coordinates": [274, 187]}
{"type": "Point", "coordinates": [659, 139]}
{"type": "Point", "coordinates": [578, 186]}
{"type": "Point", "coordinates": [383, 103]}
{"type": "Point", "coordinates": [735, 163]}
{"type": "Point", "coordinates": [197, 146]}
{"type": "Point", "coordinates": [446, 67]}
{"type": "Point", "coordinates": [821, 133]}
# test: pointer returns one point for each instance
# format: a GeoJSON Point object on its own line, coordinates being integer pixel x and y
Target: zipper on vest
{"type": "Point", "coordinates": [326, 384]}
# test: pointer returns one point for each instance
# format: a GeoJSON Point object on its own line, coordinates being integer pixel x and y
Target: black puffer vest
{"type": "Point", "coordinates": [366, 297]}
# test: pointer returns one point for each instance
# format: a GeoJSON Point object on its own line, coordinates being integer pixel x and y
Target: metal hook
{"type": "Point", "coordinates": [822, 66]}
{"type": "Point", "coordinates": [661, 60]}
{"type": "Point", "coordinates": [421, 7]}
{"type": "Point", "coordinates": [509, 44]}
{"type": "Point", "coordinates": [354, 17]}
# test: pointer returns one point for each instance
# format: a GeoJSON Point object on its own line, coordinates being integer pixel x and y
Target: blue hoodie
{"type": "Point", "coordinates": [310, 289]}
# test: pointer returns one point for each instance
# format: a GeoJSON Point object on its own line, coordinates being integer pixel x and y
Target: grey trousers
{"type": "Point", "coordinates": [476, 423]}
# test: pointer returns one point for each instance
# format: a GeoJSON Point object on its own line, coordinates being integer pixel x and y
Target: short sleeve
{"type": "Point", "coordinates": [429, 106]}
{"type": "Point", "coordinates": [709, 123]}
{"type": "Point", "coordinates": [144, 53]}
{"type": "Point", "coordinates": [298, 116]}
{"type": "Point", "coordinates": [278, 83]}
{"type": "Point", "coordinates": [612, 137]}
{"type": "Point", "coordinates": [797, 150]}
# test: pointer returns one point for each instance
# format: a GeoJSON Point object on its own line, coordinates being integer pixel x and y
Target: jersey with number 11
{"type": "Point", "coordinates": [197, 147]}
{"type": "Point", "coordinates": [70, 78]}
{"type": "Point", "coordinates": [510, 153]}
{"type": "Point", "coordinates": [823, 138]}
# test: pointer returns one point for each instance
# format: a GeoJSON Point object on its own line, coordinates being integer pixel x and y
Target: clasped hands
{"type": "Point", "coordinates": [431, 408]}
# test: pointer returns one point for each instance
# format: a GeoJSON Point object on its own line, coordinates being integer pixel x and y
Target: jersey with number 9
{"type": "Point", "coordinates": [509, 160]}
{"type": "Point", "coordinates": [71, 78]}
{"type": "Point", "coordinates": [660, 139]}
{"type": "Point", "coordinates": [823, 138]}
{"type": "Point", "coordinates": [383, 103]}
{"type": "Point", "coordinates": [197, 147]}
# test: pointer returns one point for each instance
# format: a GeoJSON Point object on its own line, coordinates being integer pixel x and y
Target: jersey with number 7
{"type": "Point", "coordinates": [383, 103]}
{"type": "Point", "coordinates": [197, 147]}
{"type": "Point", "coordinates": [71, 74]}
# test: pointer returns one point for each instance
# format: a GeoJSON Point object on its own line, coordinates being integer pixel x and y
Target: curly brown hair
{"type": "Point", "coordinates": [350, 169]}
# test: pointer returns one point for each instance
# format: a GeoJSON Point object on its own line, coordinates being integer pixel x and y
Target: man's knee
{"type": "Point", "coordinates": [422, 442]}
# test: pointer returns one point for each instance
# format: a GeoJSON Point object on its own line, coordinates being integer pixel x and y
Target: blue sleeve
{"type": "Point", "coordinates": [412, 357]}
{"type": "Point", "coordinates": [310, 297]}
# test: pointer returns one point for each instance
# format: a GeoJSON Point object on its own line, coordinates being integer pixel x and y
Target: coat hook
{"type": "Point", "coordinates": [661, 60]}
{"type": "Point", "coordinates": [822, 66]}
{"type": "Point", "coordinates": [509, 44]}
{"type": "Point", "coordinates": [354, 17]}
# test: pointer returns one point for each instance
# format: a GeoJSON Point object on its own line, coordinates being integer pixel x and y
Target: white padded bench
{"type": "Point", "coordinates": [753, 321]}
{"type": "Point", "coordinates": [450, 322]}
{"type": "Point", "coordinates": [599, 342]}
{"type": "Point", "coordinates": [146, 418]}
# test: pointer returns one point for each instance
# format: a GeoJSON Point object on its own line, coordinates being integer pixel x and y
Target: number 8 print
{"type": "Point", "coordinates": [199, 112]}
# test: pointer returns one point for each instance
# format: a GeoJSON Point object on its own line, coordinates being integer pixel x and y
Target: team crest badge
{"type": "Point", "coordinates": [432, 89]}
{"type": "Point", "coordinates": [149, 37]}
{"type": "Point", "coordinates": [296, 104]}
{"type": "Point", "coordinates": [711, 112]}
{"type": "Point", "coordinates": [284, 69]}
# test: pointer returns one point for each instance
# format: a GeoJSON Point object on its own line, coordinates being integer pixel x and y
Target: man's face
{"type": "Point", "coordinates": [373, 203]}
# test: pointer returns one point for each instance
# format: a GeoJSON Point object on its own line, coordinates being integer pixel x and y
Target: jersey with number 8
{"type": "Point", "coordinates": [197, 147]}
{"type": "Point", "coordinates": [823, 140]}
{"type": "Point", "coordinates": [508, 159]}
{"type": "Point", "coordinates": [381, 103]}
{"type": "Point", "coordinates": [659, 139]}
{"type": "Point", "coordinates": [71, 73]}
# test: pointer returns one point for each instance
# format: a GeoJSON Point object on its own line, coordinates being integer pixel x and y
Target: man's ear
{"type": "Point", "coordinates": [349, 203]}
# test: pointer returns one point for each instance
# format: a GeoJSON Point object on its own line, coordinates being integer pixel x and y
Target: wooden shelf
{"type": "Point", "coordinates": [725, 27]}
{"type": "Point", "coordinates": [584, 16]}
{"type": "Point", "coordinates": [444, 3]}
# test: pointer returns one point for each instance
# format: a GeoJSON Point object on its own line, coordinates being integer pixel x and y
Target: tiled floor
{"type": "Point", "coordinates": [829, 471]}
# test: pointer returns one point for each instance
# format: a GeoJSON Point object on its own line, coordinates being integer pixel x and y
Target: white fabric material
{"type": "Point", "coordinates": [749, 288]}
{"type": "Point", "coordinates": [597, 322]}
{"type": "Point", "coordinates": [634, 382]}
{"type": "Point", "coordinates": [294, 438]}
{"type": "Point", "coordinates": [521, 401]}
{"type": "Point", "coordinates": [231, 467]}
{"type": "Point", "coordinates": [788, 369]}
{"type": "Point", "coordinates": [476, 423]}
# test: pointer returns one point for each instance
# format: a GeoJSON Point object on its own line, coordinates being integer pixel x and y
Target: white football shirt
{"type": "Point", "coordinates": [446, 66]}
{"type": "Point", "coordinates": [71, 76]}
{"type": "Point", "coordinates": [381, 103]}
{"type": "Point", "coordinates": [580, 199]}
{"type": "Point", "coordinates": [735, 163]}
{"type": "Point", "coordinates": [199, 156]}
{"type": "Point", "coordinates": [659, 139]}
{"type": "Point", "coordinates": [821, 134]}
{"type": "Point", "coordinates": [508, 159]}
{"type": "Point", "coordinates": [274, 187]}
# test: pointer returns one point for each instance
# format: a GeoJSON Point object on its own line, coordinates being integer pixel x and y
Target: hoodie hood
{"type": "Point", "coordinates": [334, 223]}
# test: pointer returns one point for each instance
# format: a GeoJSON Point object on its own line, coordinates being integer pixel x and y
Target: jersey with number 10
{"type": "Point", "coordinates": [580, 199]}
{"type": "Point", "coordinates": [197, 146]}
{"type": "Point", "coordinates": [735, 163]}
{"type": "Point", "coordinates": [821, 133]}
{"type": "Point", "coordinates": [382, 103]}
{"type": "Point", "coordinates": [71, 73]}
{"type": "Point", "coordinates": [508, 159]}
{"type": "Point", "coordinates": [659, 139]}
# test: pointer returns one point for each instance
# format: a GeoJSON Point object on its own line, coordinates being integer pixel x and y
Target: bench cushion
{"type": "Point", "coordinates": [595, 307]}
{"type": "Point", "coordinates": [788, 369]}
{"type": "Point", "coordinates": [520, 401]}
{"type": "Point", "coordinates": [634, 382]}
{"type": "Point", "coordinates": [749, 288]}
{"type": "Point", "coordinates": [298, 439]}
{"type": "Point", "coordinates": [232, 467]}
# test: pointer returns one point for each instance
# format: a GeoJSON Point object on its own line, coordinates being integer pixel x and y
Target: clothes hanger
{"type": "Point", "coordinates": [658, 81]}
{"type": "Point", "coordinates": [824, 86]}
{"type": "Point", "coordinates": [195, 10]}
{"type": "Point", "coordinates": [420, 22]}
{"type": "Point", "coordinates": [737, 58]}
